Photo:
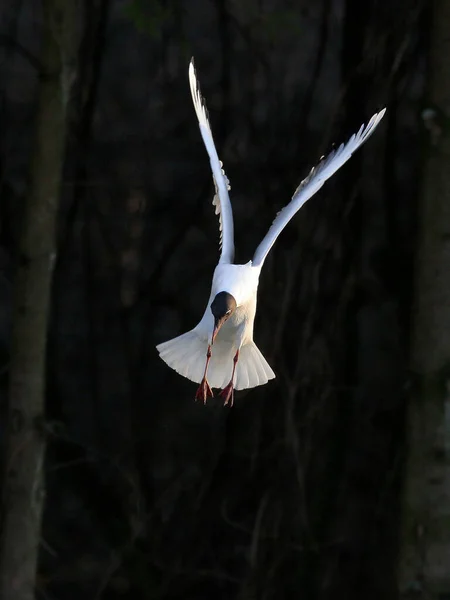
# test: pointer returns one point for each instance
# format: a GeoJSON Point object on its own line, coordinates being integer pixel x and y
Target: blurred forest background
{"type": "Point", "coordinates": [333, 480]}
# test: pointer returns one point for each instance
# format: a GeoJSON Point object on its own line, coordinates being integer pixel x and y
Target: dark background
{"type": "Point", "coordinates": [294, 492]}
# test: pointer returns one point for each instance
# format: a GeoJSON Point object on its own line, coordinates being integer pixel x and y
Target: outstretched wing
{"type": "Point", "coordinates": [221, 200]}
{"type": "Point", "coordinates": [313, 182]}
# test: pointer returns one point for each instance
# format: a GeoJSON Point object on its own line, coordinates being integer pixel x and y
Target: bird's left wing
{"type": "Point", "coordinates": [221, 199]}
{"type": "Point", "coordinates": [312, 183]}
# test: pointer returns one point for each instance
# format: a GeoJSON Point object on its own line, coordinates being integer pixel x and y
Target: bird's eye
{"type": "Point", "coordinates": [228, 312]}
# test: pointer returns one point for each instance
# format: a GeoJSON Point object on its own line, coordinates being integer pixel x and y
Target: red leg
{"type": "Point", "coordinates": [204, 391]}
{"type": "Point", "coordinates": [228, 392]}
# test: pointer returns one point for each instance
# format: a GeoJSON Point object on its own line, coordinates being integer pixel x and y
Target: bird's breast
{"type": "Point", "coordinates": [239, 325]}
{"type": "Point", "coordinates": [241, 281]}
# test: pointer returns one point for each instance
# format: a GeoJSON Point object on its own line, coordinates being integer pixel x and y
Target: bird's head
{"type": "Point", "coordinates": [222, 308]}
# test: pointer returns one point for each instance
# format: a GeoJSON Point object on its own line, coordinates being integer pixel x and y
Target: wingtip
{"type": "Point", "coordinates": [195, 91]}
{"type": "Point", "coordinates": [192, 67]}
{"type": "Point", "coordinates": [366, 129]}
{"type": "Point", "coordinates": [378, 116]}
{"type": "Point", "coordinates": [197, 98]}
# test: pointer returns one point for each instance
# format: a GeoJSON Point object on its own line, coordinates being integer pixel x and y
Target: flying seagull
{"type": "Point", "coordinates": [220, 352]}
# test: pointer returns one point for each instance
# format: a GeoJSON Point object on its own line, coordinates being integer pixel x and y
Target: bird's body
{"type": "Point", "coordinates": [185, 354]}
{"type": "Point", "coordinates": [241, 281]}
{"type": "Point", "coordinates": [225, 333]}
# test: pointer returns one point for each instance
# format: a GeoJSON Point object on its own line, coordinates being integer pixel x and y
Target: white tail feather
{"type": "Point", "coordinates": [252, 368]}
{"type": "Point", "coordinates": [186, 354]}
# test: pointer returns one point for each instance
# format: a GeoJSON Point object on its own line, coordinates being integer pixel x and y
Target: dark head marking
{"type": "Point", "coordinates": [222, 306]}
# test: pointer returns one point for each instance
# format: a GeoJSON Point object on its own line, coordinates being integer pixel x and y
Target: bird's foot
{"type": "Point", "coordinates": [204, 391]}
{"type": "Point", "coordinates": [228, 394]}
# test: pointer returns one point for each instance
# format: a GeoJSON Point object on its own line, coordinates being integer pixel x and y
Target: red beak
{"type": "Point", "coordinates": [217, 325]}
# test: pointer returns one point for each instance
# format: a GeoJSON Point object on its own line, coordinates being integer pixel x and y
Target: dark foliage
{"type": "Point", "coordinates": [293, 493]}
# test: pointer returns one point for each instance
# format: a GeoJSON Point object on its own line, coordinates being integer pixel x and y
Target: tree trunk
{"type": "Point", "coordinates": [424, 568]}
{"type": "Point", "coordinates": [24, 494]}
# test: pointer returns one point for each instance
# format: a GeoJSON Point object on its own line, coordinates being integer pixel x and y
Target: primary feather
{"type": "Point", "coordinates": [221, 200]}
{"type": "Point", "coordinates": [312, 183]}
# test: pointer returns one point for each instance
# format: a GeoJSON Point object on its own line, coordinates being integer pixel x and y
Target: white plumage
{"type": "Point", "coordinates": [224, 336]}
{"type": "Point", "coordinates": [186, 353]}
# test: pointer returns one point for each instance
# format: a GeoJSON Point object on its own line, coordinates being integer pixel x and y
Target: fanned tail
{"type": "Point", "coordinates": [186, 354]}
{"type": "Point", "coordinates": [252, 368]}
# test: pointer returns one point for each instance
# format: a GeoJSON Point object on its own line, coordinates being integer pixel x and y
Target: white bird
{"type": "Point", "coordinates": [224, 336]}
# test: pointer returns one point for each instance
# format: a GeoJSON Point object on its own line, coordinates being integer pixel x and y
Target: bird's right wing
{"type": "Point", "coordinates": [221, 199]}
{"type": "Point", "coordinates": [312, 183]}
